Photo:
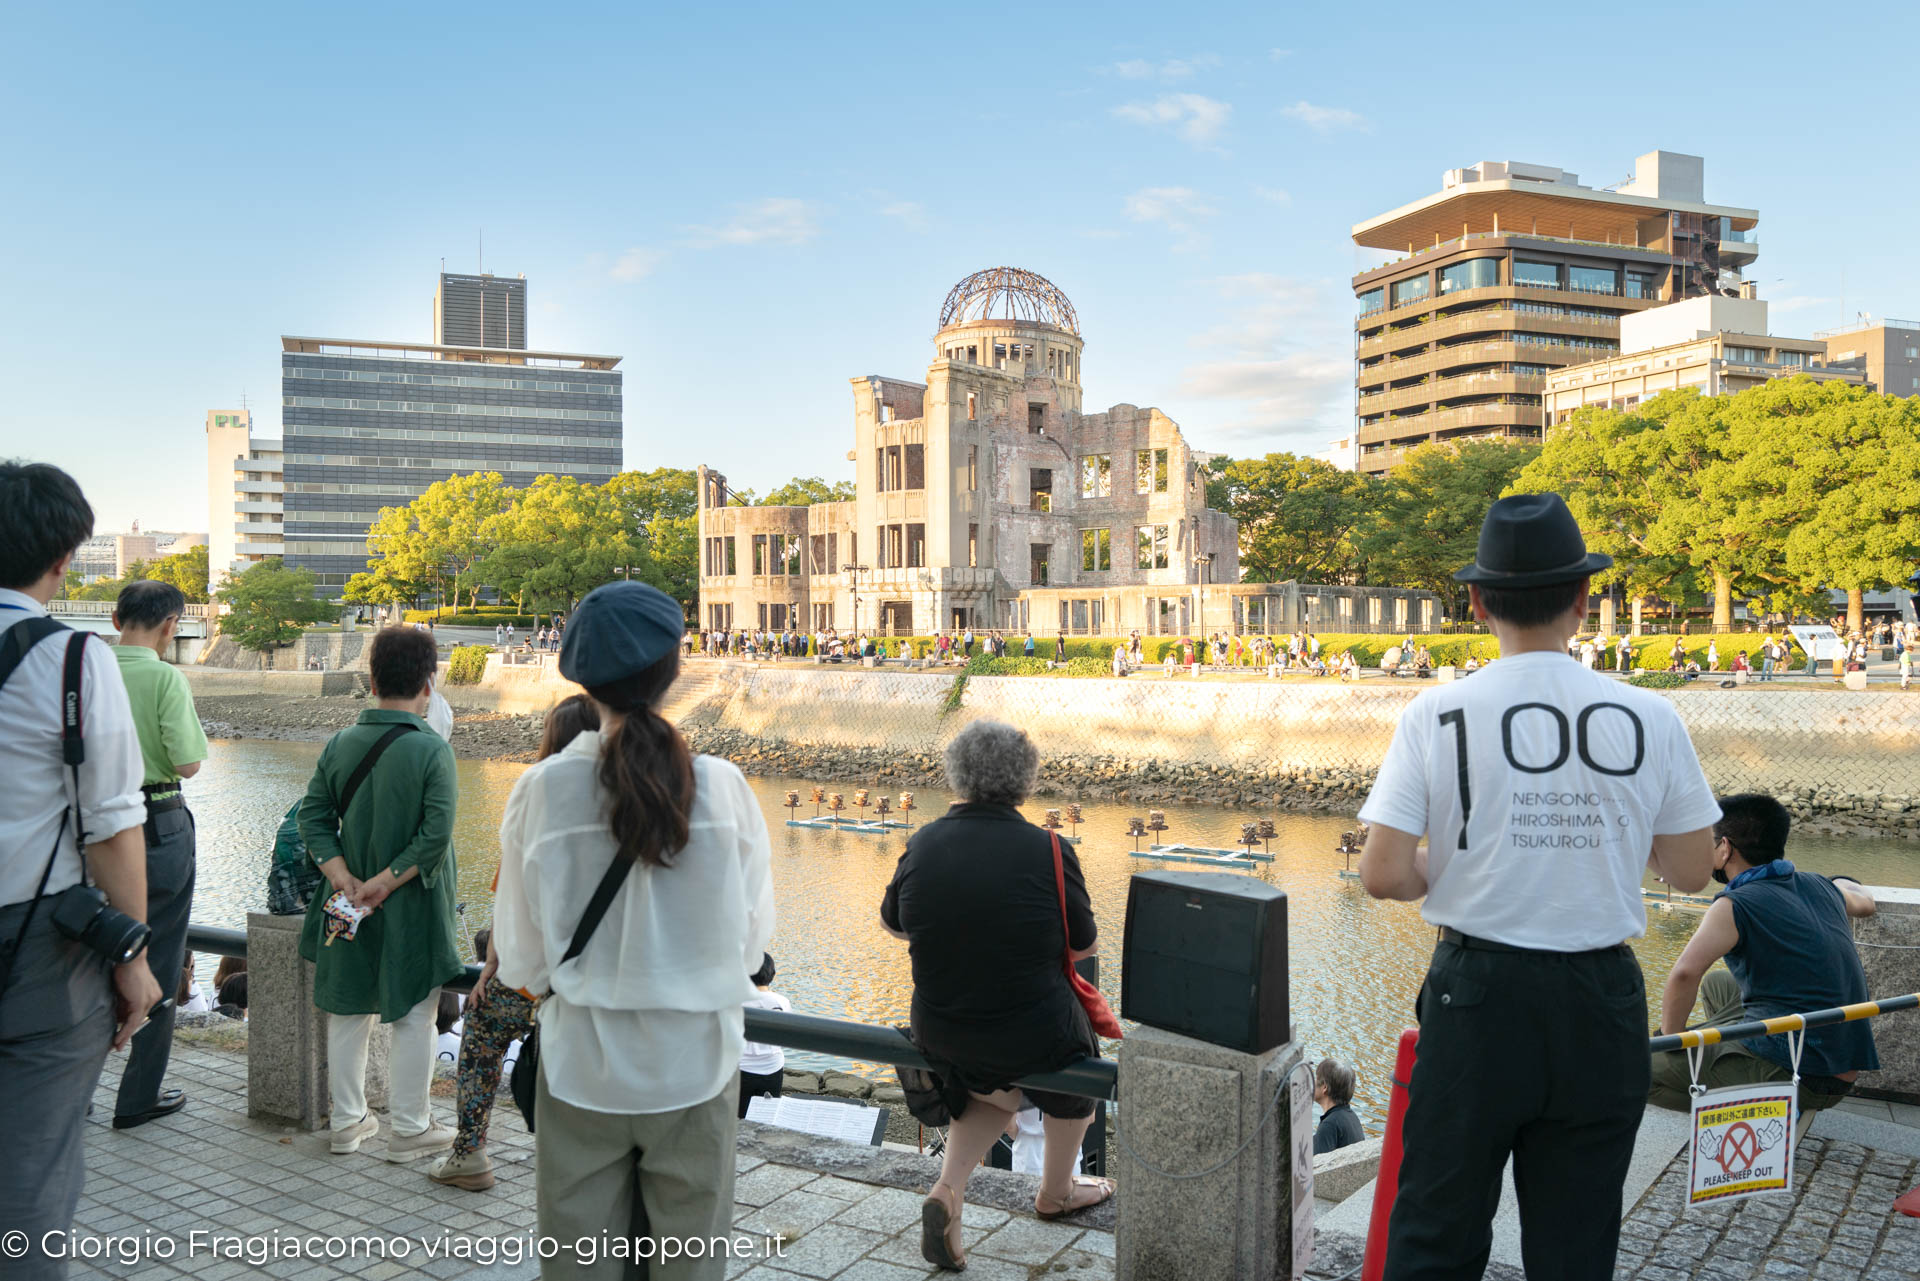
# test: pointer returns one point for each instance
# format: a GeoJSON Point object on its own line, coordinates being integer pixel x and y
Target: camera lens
{"type": "Point", "coordinates": [116, 936]}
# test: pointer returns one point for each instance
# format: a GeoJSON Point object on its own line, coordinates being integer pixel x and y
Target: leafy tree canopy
{"type": "Point", "coordinates": [269, 604]}
{"type": "Point", "coordinates": [1300, 518]}
{"type": "Point", "coordinates": [804, 491]}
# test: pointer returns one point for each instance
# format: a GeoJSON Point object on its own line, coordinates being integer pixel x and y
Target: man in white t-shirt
{"type": "Point", "coordinates": [1543, 790]}
{"type": "Point", "coordinates": [762, 1065]}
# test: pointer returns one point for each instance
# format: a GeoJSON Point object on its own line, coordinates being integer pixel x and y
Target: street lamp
{"type": "Point", "coordinates": [853, 573]}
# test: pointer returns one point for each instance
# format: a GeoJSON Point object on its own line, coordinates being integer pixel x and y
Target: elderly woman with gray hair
{"type": "Point", "coordinates": [975, 898]}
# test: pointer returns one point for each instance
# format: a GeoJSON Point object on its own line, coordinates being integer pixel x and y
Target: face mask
{"type": "Point", "coordinates": [1720, 875]}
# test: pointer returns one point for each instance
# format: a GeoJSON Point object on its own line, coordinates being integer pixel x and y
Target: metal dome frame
{"type": "Point", "coordinates": [1028, 295]}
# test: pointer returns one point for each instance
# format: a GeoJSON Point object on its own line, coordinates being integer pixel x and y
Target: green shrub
{"type": "Point", "coordinates": [956, 692]}
{"type": "Point", "coordinates": [467, 664]}
{"type": "Point", "coordinates": [1658, 680]}
{"type": "Point", "coordinates": [522, 622]}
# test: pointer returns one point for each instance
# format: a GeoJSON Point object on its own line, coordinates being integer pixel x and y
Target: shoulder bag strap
{"type": "Point", "coordinates": [597, 905]}
{"type": "Point", "coordinates": [367, 762]}
{"type": "Point", "coordinates": [22, 637]}
{"type": "Point", "coordinates": [1060, 888]}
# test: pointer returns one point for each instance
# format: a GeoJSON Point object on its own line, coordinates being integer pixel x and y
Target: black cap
{"type": "Point", "coordinates": [1531, 540]}
{"type": "Point", "coordinates": [619, 631]}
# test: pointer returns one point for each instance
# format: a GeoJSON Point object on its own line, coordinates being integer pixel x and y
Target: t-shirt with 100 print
{"type": "Point", "coordinates": [1540, 786]}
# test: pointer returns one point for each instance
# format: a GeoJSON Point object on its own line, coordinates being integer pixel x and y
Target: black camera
{"type": "Point", "coordinates": [80, 913]}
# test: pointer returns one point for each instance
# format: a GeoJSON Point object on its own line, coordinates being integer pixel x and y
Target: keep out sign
{"type": "Point", "coordinates": [1742, 1144]}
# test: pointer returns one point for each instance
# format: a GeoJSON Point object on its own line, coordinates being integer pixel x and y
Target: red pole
{"type": "Point", "coordinates": [1387, 1186]}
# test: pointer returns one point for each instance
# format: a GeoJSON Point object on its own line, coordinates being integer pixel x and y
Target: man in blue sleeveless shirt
{"type": "Point", "coordinates": [1788, 944]}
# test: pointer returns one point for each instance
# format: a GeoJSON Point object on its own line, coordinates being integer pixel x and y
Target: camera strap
{"type": "Point", "coordinates": [19, 640]}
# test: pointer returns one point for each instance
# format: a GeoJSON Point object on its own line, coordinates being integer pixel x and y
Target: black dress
{"type": "Point", "coordinates": [974, 894]}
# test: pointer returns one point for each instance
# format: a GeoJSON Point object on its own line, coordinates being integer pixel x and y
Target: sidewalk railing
{"type": "Point", "coordinates": [859, 1042]}
{"type": "Point", "coordinates": [1784, 1023]}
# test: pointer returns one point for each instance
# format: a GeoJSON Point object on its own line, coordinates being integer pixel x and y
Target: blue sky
{"type": "Point", "coordinates": [754, 203]}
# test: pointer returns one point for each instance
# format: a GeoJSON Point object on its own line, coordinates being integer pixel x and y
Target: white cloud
{"type": "Point", "coordinates": [1279, 55]}
{"type": "Point", "coordinates": [776, 220]}
{"type": "Point", "coordinates": [1178, 209]}
{"type": "Point", "coordinates": [1196, 118]}
{"type": "Point", "coordinates": [636, 264]}
{"type": "Point", "coordinates": [1273, 195]}
{"type": "Point", "coordinates": [1324, 119]}
{"type": "Point", "coordinates": [1279, 364]}
{"type": "Point", "coordinates": [1168, 69]}
{"type": "Point", "coordinates": [910, 212]}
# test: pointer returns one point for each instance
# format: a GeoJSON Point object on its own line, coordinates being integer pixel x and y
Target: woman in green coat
{"type": "Point", "coordinates": [390, 853]}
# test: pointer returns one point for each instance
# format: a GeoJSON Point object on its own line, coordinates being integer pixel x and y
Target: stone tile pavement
{"type": "Point", "coordinates": [826, 1211]}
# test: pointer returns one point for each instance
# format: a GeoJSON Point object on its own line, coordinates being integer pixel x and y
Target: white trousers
{"type": "Point", "coordinates": [409, 1066]}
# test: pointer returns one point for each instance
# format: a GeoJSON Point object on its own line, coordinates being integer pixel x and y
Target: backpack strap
{"type": "Point", "coordinates": [367, 762]}
{"type": "Point", "coordinates": [21, 638]}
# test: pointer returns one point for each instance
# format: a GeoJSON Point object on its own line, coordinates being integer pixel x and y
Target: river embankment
{"type": "Point", "coordinates": [1843, 761]}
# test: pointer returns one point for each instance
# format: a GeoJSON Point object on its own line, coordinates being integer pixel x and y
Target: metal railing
{"type": "Point", "coordinates": [838, 1038]}
{"type": "Point", "coordinates": [1699, 1037]}
{"type": "Point", "coordinates": [105, 608]}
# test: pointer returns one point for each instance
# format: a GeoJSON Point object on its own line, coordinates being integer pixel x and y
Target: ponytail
{"type": "Point", "coordinates": [646, 768]}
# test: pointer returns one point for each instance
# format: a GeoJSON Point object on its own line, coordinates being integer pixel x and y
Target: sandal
{"type": "Point", "coordinates": [1098, 1189]}
{"type": "Point", "coordinates": [936, 1220]}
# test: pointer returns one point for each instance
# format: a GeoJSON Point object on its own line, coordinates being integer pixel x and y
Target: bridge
{"type": "Point", "coordinates": [197, 623]}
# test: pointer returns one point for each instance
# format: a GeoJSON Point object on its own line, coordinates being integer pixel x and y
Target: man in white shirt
{"type": "Point", "coordinates": [62, 1004]}
{"type": "Point", "coordinates": [1543, 790]}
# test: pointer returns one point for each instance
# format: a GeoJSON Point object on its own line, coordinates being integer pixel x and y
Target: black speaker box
{"type": "Point", "coordinates": [1205, 955]}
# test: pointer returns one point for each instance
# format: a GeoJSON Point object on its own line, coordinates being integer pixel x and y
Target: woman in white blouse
{"type": "Point", "coordinates": [640, 1039]}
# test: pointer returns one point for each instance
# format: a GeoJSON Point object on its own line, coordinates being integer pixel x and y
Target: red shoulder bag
{"type": "Point", "coordinates": [1099, 1013]}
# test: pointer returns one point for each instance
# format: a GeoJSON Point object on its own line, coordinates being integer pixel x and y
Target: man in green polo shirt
{"type": "Point", "coordinates": [171, 748]}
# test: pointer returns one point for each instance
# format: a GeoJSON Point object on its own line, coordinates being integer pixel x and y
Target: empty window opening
{"type": "Point", "coordinates": [1036, 419]}
{"type": "Point", "coordinates": [1040, 487]}
{"type": "Point", "coordinates": [1038, 556]}
{"type": "Point", "coordinates": [916, 466]}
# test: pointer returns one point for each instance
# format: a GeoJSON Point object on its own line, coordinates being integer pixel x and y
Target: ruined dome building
{"type": "Point", "coordinates": [987, 498]}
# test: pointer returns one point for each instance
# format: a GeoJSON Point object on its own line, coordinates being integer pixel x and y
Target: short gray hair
{"type": "Point", "coordinates": [993, 763]}
{"type": "Point", "coordinates": [1337, 1078]}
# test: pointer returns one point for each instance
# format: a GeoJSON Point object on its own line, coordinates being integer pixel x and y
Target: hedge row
{"type": "Point", "coordinates": [466, 618]}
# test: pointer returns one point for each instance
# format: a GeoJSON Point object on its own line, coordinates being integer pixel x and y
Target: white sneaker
{"type": "Point", "coordinates": [474, 1171]}
{"type": "Point", "coordinates": [350, 1139]}
{"type": "Point", "coordinates": [402, 1148]}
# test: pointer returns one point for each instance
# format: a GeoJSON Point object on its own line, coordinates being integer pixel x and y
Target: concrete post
{"type": "Point", "coordinates": [1188, 1106]}
{"type": "Point", "coordinates": [1889, 944]}
{"type": "Point", "coordinates": [1606, 615]}
{"type": "Point", "coordinates": [1636, 616]}
{"type": "Point", "coordinates": [287, 1036]}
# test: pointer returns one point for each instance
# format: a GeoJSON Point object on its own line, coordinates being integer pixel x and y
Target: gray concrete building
{"type": "Point", "coordinates": [367, 424]}
{"type": "Point", "coordinates": [1886, 351]}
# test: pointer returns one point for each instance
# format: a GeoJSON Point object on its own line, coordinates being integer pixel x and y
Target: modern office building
{"type": "Point", "coordinates": [1511, 271]}
{"type": "Point", "coordinates": [1714, 345]}
{"type": "Point", "coordinates": [480, 311]}
{"type": "Point", "coordinates": [367, 424]}
{"type": "Point", "coordinates": [1886, 351]}
{"type": "Point", "coordinates": [245, 496]}
{"type": "Point", "coordinates": [986, 497]}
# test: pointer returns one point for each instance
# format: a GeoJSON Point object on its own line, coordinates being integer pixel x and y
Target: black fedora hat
{"type": "Point", "coordinates": [1531, 540]}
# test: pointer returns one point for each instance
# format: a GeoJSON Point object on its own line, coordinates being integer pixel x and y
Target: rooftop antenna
{"type": "Point", "coordinates": [483, 251]}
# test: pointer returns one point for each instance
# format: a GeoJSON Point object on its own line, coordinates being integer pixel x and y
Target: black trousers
{"type": "Point", "coordinates": [755, 1084]}
{"type": "Point", "coordinates": [170, 870]}
{"type": "Point", "coordinates": [1540, 1056]}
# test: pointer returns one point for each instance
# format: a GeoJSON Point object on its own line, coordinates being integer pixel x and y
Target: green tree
{"type": "Point", "coordinates": [441, 536]}
{"type": "Point", "coordinates": [186, 570]}
{"type": "Point", "coordinates": [1426, 519]}
{"type": "Point", "coordinates": [1299, 517]}
{"type": "Point", "coordinates": [1833, 472]}
{"type": "Point", "coordinates": [269, 604]}
{"type": "Point", "coordinates": [559, 541]}
{"type": "Point", "coordinates": [804, 491]}
{"type": "Point", "coordinates": [660, 512]}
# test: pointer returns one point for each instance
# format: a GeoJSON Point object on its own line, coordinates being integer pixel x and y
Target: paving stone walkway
{"type": "Point", "coordinates": [825, 1211]}
{"type": "Point", "coordinates": [213, 1171]}
{"type": "Point", "coordinates": [1840, 1225]}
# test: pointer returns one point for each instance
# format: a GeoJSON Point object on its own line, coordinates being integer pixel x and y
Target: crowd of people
{"type": "Point", "coordinates": [634, 916]}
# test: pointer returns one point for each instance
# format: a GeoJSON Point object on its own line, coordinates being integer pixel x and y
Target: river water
{"type": "Point", "coordinates": [1356, 963]}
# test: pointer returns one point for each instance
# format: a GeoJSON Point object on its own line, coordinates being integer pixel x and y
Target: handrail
{"type": "Point", "coordinates": [1089, 1078]}
{"type": "Point", "coordinates": [1784, 1023]}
